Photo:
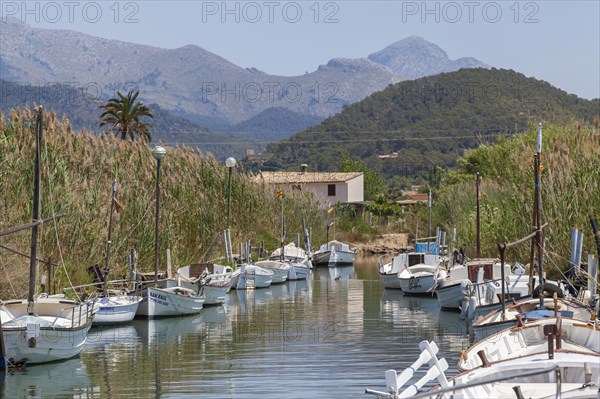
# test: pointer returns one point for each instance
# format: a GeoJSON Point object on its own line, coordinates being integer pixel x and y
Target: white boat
{"type": "Point", "coordinates": [333, 253]}
{"type": "Point", "coordinates": [453, 289]}
{"type": "Point", "coordinates": [293, 254]}
{"type": "Point", "coordinates": [115, 309]}
{"type": "Point", "coordinates": [280, 270]}
{"type": "Point", "coordinates": [42, 329]}
{"type": "Point", "coordinates": [389, 272]}
{"type": "Point", "coordinates": [251, 276]}
{"type": "Point", "coordinates": [298, 271]}
{"type": "Point", "coordinates": [56, 330]}
{"type": "Point", "coordinates": [549, 358]}
{"type": "Point", "coordinates": [419, 279]}
{"type": "Point", "coordinates": [209, 279]}
{"type": "Point", "coordinates": [297, 258]}
{"type": "Point", "coordinates": [168, 302]}
{"type": "Point", "coordinates": [526, 311]}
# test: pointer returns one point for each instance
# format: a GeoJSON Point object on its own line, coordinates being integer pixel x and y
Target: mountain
{"type": "Point", "coordinates": [186, 80]}
{"type": "Point", "coordinates": [273, 124]}
{"type": "Point", "coordinates": [201, 86]}
{"type": "Point", "coordinates": [81, 108]}
{"type": "Point", "coordinates": [414, 57]}
{"type": "Point", "coordinates": [413, 126]}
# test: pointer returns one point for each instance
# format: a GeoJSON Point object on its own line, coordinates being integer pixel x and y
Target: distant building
{"type": "Point", "coordinates": [251, 155]}
{"type": "Point", "coordinates": [415, 198]}
{"type": "Point", "coordinates": [329, 187]}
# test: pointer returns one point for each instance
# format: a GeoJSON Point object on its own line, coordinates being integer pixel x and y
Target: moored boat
{"type": "Point", "coordinates": [333, 253]}
{"type": "Point", "coordinates": [168, 302]}
{"type": "Point", "coordinates": [390, 272]}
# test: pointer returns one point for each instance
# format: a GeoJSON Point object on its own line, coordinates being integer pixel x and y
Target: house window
{"type": "Point", "coordinates": [331, 190]}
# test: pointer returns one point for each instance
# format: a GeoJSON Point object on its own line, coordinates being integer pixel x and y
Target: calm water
{"type": "Point", "coordinates": [329, 337]}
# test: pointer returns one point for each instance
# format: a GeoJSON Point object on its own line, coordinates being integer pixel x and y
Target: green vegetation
{"type": "Point", "coordinates": [373, 183]}
{"type": "Point", "coordinates": [430, 122]}
{"type": "Point", "coordinates": [124, 115]}
{"type": "Point", "coordinates": [77, 171]}
{"type": "Point", "coordinates": [570, 191]}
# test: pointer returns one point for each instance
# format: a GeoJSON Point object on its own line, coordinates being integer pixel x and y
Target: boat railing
{"type": "Point", "coordinates": [395, 381]}
{"type": "Point", "coordinates": [412, 391]}
{"type": "Point", "coordinates": [78, 315]}
{"type": "Point", "coordinates": [478, 290]}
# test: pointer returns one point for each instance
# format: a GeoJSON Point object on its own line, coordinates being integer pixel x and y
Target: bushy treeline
{"type": "Point", "coordinates": [432, 121]}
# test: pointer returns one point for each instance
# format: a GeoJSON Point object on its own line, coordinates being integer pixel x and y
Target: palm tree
{"type": "Point", "coordinates": [123, 115]}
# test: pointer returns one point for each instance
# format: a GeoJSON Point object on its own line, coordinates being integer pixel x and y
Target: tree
{"type": "Point", "coordinates": [373, 181]}
{"type": "Point", "coordinates": [123, 115]}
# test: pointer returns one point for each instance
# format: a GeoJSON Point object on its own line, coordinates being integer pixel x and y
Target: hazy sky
{"type": "Point", "coordinates": [557, 41]}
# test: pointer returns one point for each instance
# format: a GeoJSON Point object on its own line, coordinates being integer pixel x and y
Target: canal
{"type": "Point", "coordinates": [331, 336]}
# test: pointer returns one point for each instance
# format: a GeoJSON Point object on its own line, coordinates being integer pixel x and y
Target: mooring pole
{"type": "Point", "coordinates": [502, 249]}
{"type": "Point", "coordinates": [538, 236]}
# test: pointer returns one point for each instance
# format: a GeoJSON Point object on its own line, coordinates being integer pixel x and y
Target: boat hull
{"type": "Point", "coordinates": [52, 344]}
{"type": "Point", "coordinates": [214, 295]}
{"type": "Point", "coordinates": [417, 285]}
{"type": "Point", "coordinates": [390, 281]}
{"type": "Point", "coordinates": [160, 302]}
{"type": "Point", "coordinates": [333, 258]}
{"type": "Point", "coordinates": [450, 296]}
{"type": "Point", "coordinates": [116, 310]}
{"type": "Point", "coordinates": [57, 332]}
{"type": "Point", "coordinates": [298, 272]}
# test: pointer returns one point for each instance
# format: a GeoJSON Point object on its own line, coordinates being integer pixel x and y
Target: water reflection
{"type": "Point", "coordinates": [66, 379]}
{"type": "Point", "coordinates": [329, 336]}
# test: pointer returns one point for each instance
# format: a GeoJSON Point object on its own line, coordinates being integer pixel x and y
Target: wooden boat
{"type": "Point", "coordinates": [390, 272]}
{"type": "Point", "coordinates": [549, 358]}
{"type": "Point", "coordinates": [209, 279]}
{"type": "Point", "coordinates": [42, 329]}
{"type": "Point", "coordinates": [333, 253]}
{"type": "Point", "coordinates": [168, 302]}
{"type": "Point", "coordinates": [525, 311]}
{"type": "Point", "coordinates": [419, 279]}
{"type": "Point", "coordinates": [116, 308]}
{"type": "Point", "coordinates": [280, 270]}
{"type": "Point", "coordinates": [250, 277]}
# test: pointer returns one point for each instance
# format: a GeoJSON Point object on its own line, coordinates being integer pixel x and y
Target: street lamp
{"type": "Point", "coordinates": [230, 163]}
{"type": "Point", "coordinates": [158, 153]}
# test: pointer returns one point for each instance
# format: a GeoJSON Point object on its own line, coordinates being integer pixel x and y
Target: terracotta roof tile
{"type": "Point", "coordinates": [305, 177]}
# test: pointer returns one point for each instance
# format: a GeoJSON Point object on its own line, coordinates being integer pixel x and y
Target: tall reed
{"type": "Point", "coordinates": [77, 172]}
{"type": "Point", "coordinates": [570, 192]}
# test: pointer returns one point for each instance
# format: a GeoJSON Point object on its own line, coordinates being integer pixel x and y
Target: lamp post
{"type": "Point", "coordinates": [230, 163]}
{"type": "Point", "coordinates": [158, 153]}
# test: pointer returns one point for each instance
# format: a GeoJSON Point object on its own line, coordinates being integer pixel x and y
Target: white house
{"type": "Point", "coordinates": [329, 187]}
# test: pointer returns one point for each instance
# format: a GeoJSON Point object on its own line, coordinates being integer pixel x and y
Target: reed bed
{"type": "Point", "coordinates": [77, 172]}
{"type": "Point", "coordinates": [570, 192]}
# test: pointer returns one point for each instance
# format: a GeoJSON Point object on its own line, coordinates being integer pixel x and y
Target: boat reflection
{"type": "Point", "coordinates": [419, 318]}
{"type": "Point", "coordinates": [66, 379]}
{"type": "Point", "coordinates": [124, 334]}
{"type": "Point", "coordinates": [342, 272]}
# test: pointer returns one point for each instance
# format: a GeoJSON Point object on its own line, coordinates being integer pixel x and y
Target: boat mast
{"type": "Point", "coordinates": [109, 240]}
{"type": "Point", "coordinates": [478, 222]}
{"type": "Point", "coordinates": [281, 195]}
{"type": "Point", "coordinates": [36, 213]}
{"type": "Point", "coordinates": [538, 203]}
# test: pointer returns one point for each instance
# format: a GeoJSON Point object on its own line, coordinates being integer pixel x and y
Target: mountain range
{"type": "Point", "coordinates": [207, 89]}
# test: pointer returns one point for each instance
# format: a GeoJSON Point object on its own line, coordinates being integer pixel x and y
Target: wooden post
{"type": "Point", "coordinates": [534, 239]}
